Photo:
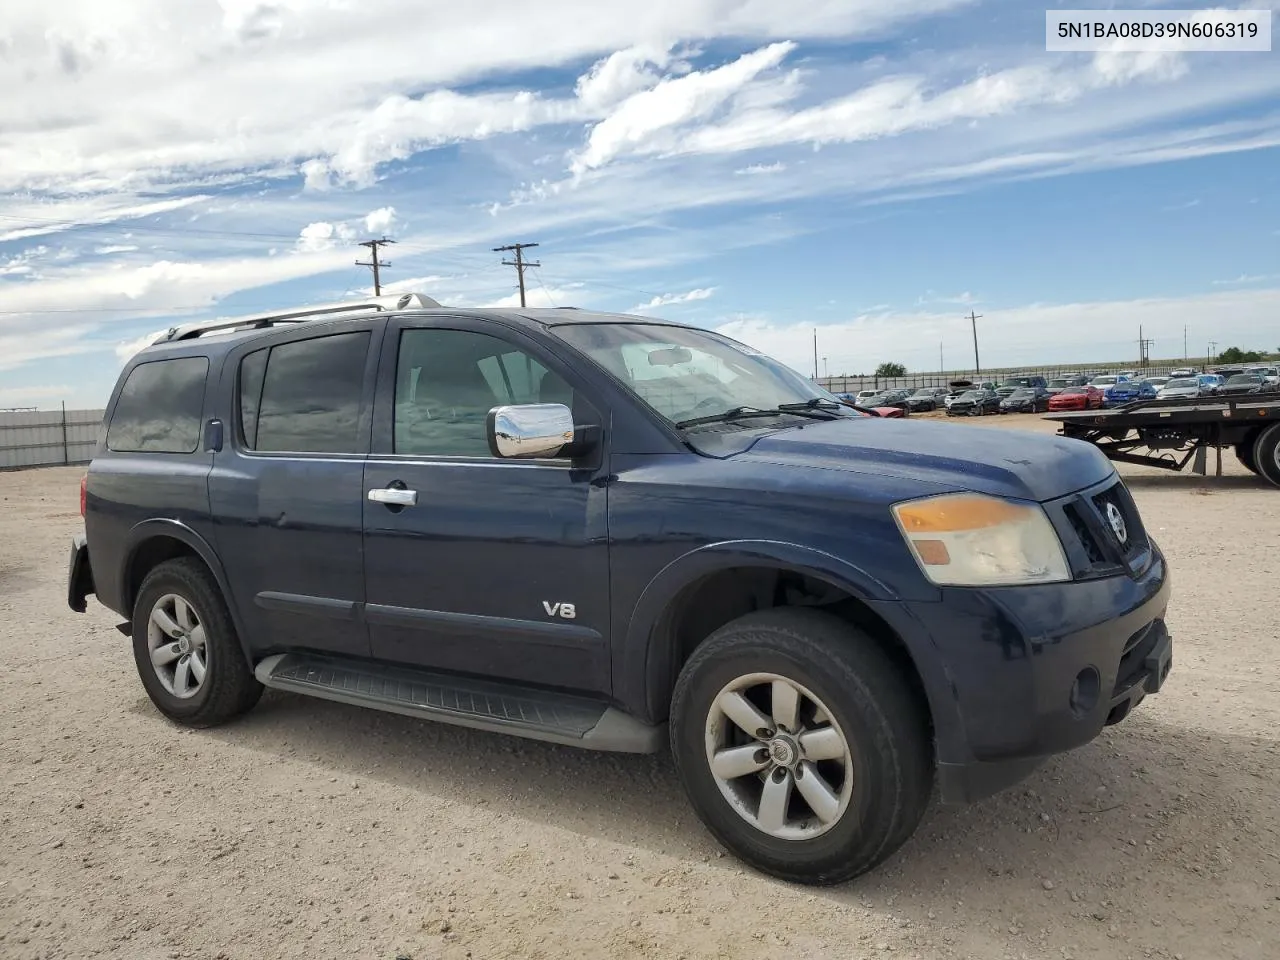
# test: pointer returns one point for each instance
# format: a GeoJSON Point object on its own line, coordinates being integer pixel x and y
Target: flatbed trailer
{"type": "Point", "coordinates": [1173, 433]}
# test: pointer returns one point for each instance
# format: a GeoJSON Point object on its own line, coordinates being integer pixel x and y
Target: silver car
{"type": "Point", "coordinates": [1178, 388]}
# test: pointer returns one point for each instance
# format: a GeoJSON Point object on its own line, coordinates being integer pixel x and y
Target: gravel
{"type": "Point", "coordinates": [316, 829]}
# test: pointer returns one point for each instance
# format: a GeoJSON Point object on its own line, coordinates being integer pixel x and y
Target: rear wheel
{"type": "Point", "coordinates": [186, 649]}
{"type": "Point", "coordinates": [1266, 454]}
{"type": "Point", "coordinates": [801, 745]}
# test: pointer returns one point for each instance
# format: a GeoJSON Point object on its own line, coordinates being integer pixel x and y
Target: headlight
{"type": "Point", "coordinates": [973, 540]}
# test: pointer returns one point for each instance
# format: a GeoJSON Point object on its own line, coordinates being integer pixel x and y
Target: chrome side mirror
{"type": "Point", "coordinates": [529, 430]}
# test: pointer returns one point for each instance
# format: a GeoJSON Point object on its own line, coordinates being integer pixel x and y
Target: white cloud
{"type": "Point", "coordinates": [647, 115]}
{"type": "Point", "coordinates": [125, 350]}
{"type": "Point", "coordinates": [540, 296]}
{"type": "Point", "coordinates": [1245, 279]}
{"type": "Point", "coordinates": [33, 395]}
{"type": "Point", "coordinates": [621, 74]}
{"type": "Point", "coordinates": [760, 169]}
{"type": "Point", "coordinates": [110, 248]}
{"type": "Point", "coordinates": [380, 220]}
{"type": "Point", "coordinates": [321, 235]}
{"type": "Point", "coordinates": [670, 299]}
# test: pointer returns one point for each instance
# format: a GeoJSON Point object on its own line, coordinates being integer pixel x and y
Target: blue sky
{"type": "Point", "coordinates": [872, 168]}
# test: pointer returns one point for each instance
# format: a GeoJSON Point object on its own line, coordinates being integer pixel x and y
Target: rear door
{"type": "Point", "coordinates": [287, 487]}
{"type": "Point", "coordinates": [500, 567]}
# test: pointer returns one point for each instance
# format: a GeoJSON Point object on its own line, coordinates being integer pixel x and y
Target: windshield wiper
{"type": "Point", "coordinates": [806, 409]}
{"type": "Point", "coordinates": [817, 403]}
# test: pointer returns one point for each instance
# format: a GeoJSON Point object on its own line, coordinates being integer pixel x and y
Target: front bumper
{"type": "Point", "coordinates": [1039, 670]}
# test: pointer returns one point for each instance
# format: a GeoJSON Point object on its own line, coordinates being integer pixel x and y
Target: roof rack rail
{"type": "Point", "coordinates": [402, 301]}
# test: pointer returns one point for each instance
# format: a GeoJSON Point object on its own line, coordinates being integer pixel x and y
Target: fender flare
{"type": "Point", "coordinates": [647, 656]}
{"type": "Point", "coordinates": [177, 530]}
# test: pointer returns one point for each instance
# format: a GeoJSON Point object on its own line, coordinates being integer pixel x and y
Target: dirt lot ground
{"type": "Point", "coordinates": [312, 829]}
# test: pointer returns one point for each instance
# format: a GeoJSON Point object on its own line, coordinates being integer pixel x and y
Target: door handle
{"type": "Point", "coordinates": [393, 497]}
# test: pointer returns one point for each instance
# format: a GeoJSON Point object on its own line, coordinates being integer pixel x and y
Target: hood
{"type": "Point", "coordinates": [1003, 463]}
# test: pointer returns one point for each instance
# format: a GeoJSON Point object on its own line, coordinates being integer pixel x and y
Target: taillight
{"type": "Point", "coordinates": [84, 492]}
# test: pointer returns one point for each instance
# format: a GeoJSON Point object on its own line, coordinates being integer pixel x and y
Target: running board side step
{"type": "Point", "coordinates": [481, 704]}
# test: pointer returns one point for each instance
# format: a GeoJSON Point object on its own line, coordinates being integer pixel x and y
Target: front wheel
{"type": "Point", "coordinates": [186, 649]}
{"type": "Point", "coordinates": [801, 745]}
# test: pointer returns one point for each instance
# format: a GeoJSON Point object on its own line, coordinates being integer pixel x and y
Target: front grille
{"type": "Point", "coordinates": [1092, 549]}
{"type": "Point", "coordinates": [1119, 516]}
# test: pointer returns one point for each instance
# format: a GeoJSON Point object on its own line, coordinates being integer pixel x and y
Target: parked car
{"type": "Point", "coordinates": [889, 398]}
{"type": "Point", "coordinates": [1179, 388]}
{"type": "Point", "coordinates": [1026, 380]}
{"type": "Point", "coordinates": [1146, 389]}
{"type": "Point", "coordinates": [1183, 372]}
{"type": "Point", "coordinates": [975, 403]}
{"type": "Point", "coordinates": [1058, 384]}
{"type": "Point", "coordinates": [1211, 383]}
{"type": "Point", "coordinates": [1155, 383]}
{"type": "Point", "coordinates": [1085, 397]}
{"type": "Point", "coordinates": [1270, 375]}
{"type": "Point", "coordinates": [1242, 383]}
{"type": "Point", "coordinates": [1026, 400]}
{"type": "Point", "coordinates": [926, 399]}
{"type": "Point", "coordinates": [850, 400]}
{"type": "Point", "coordinates": [1117, 389]}
{"type": "Point", "coordinates": [866, 395]}
{"type": "Point", "coordinates": [824, 618]}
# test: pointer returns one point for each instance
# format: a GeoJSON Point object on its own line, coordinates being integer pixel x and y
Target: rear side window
{"type": "Point", "coordinates": [310, 395]}
{"type": "Point", "coordinates": [159, 407]}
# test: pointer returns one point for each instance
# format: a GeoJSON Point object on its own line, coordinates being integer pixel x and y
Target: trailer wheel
{"type": "Point", "coordinates": [1266, 454]}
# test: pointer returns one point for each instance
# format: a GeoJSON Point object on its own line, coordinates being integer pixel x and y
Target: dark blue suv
{"type": "Point", "coordinates": [615, 533]}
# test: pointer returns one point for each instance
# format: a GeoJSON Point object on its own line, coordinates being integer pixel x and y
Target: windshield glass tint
{"type": "Point", "coordinates": [1180, 384]}
{"type": "Point", "coordinates": [1104, 381]}
{"type": "Point", "coordinates": [684, 373]}
{"type": "Point", "coordinates": [1243, 379]}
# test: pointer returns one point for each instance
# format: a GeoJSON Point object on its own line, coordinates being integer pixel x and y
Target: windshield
{"type": "Point", "coordinates": [924, 392]}
{"type": "Point", "coordinates": [971, 395]}
{"type": "Point", "coordinates": [1023, 392]}
{"type": "Point", "coordinates": [1244, 378]}
{"type": "Point", "coordinates": [1073, 391]}
{"type": "Point", "coordinates": [1105, 381]}
{"type": "Point", "coordinates": [684, 373]}
{"type": "Point", "coordinates": [1060, 382]}
{"type": "Point", "coordinates": [1181, 384]}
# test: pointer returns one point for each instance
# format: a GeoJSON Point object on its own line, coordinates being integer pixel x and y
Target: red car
{"type": "Point", "coordinates": [1077, 398]}
{"type": "Point", "coordinates": [874, 411]}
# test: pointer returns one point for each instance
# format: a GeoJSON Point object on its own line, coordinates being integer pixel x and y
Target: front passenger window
{"type": "Point", "coordinates": [447, 381]}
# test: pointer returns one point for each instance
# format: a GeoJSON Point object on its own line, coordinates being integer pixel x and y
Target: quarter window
{"type": "Point", "coordinates": [159, 407]}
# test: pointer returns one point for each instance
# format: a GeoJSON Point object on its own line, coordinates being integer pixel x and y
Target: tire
{"type": "Point", "coordinates": [884, 779]}
{"type": "Point", "coordinates": [1266, 455]}
{"type": "Point", "coordinates": [228, 687]}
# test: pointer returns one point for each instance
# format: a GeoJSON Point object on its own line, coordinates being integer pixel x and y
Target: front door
{"type": "Point", "coordinates": [287, 487]}
{"type": "Point", "coordinates": [498, 567]}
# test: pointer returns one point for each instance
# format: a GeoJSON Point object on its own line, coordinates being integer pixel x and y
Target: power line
{"type": "Point", "coordinates": [519, 262]}
{"type": "Point", "coordinates": [537, 275]}
{"type": "Point", "coordinates": [374, 262]}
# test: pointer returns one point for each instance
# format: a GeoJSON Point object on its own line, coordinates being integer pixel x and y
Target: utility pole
{"type": "Point", "coordinates": [942, 367]}
{"type": "Point", "coordinates": [1185, 355]}
{"type": "Point", "coordinates": [973, 319]}
{"type": "Point", "coordinates": [826, 370]}
{"type": "Point", "coordinates": [1144, 352]}
{"type": "Point", "coordinates": [815, 353]}
{"type": "Point", "coordinates": [519, 262]}
{"type": "Point", "coordinates": [374, 262]}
